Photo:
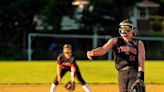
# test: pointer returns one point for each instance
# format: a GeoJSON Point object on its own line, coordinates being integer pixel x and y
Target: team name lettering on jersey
{"type": "Point", "coordinates": [127, 49]}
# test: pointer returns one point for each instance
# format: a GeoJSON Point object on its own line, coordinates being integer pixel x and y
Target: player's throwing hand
{"type": "Point", "coordinates": [90, 54]}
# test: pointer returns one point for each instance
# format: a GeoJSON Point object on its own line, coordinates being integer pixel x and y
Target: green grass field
{"type": "Point", "coordinates": [93, 72]}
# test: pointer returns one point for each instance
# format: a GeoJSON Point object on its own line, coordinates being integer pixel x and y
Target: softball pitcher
{"type": "Point", "coordinates": [129, 56]}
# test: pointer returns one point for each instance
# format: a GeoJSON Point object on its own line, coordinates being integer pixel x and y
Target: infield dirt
{"type": "Point", "coordinates": [60, 88]}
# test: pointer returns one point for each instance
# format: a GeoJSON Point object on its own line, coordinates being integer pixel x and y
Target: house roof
{"type": "Point", "coordinates": [147, 3]}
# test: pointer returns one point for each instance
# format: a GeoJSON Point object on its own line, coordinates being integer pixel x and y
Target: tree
{"type": "Point", "coordinates": [54, 10]}
{"type": "Point", "coordinates": [16, 19]}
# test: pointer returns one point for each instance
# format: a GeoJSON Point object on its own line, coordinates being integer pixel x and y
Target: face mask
{"type": "Point", "coordinates": [123, 33]}
{"type": "Point", "coordinates": [125, 27]}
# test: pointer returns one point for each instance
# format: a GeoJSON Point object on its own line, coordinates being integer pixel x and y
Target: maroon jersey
{"type": "Point", "coordinates": [126, 53]}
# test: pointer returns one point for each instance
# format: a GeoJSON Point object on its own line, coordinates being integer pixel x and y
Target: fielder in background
{"type": "Point", "coordinates": [67, 62]}
{"type": "Point", "coordinates": [129, 56]}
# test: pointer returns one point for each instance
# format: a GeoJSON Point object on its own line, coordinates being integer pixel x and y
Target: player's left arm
{"type": "Point", "coordinates": [73, 69]}
{"type": "Point", "coordinates": [141, 60]}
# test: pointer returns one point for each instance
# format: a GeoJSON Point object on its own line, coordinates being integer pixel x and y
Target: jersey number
{"type": "Point", "coordinates": [132, 58]}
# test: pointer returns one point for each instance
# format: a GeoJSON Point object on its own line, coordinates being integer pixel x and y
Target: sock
{"type": "Point", "coordinates": [86, 88]}
{"type": "Point", "coordinates": [53, 87]}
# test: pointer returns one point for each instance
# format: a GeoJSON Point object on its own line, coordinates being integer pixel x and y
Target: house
{"type": "Point", "coordinates": [145, 19]}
